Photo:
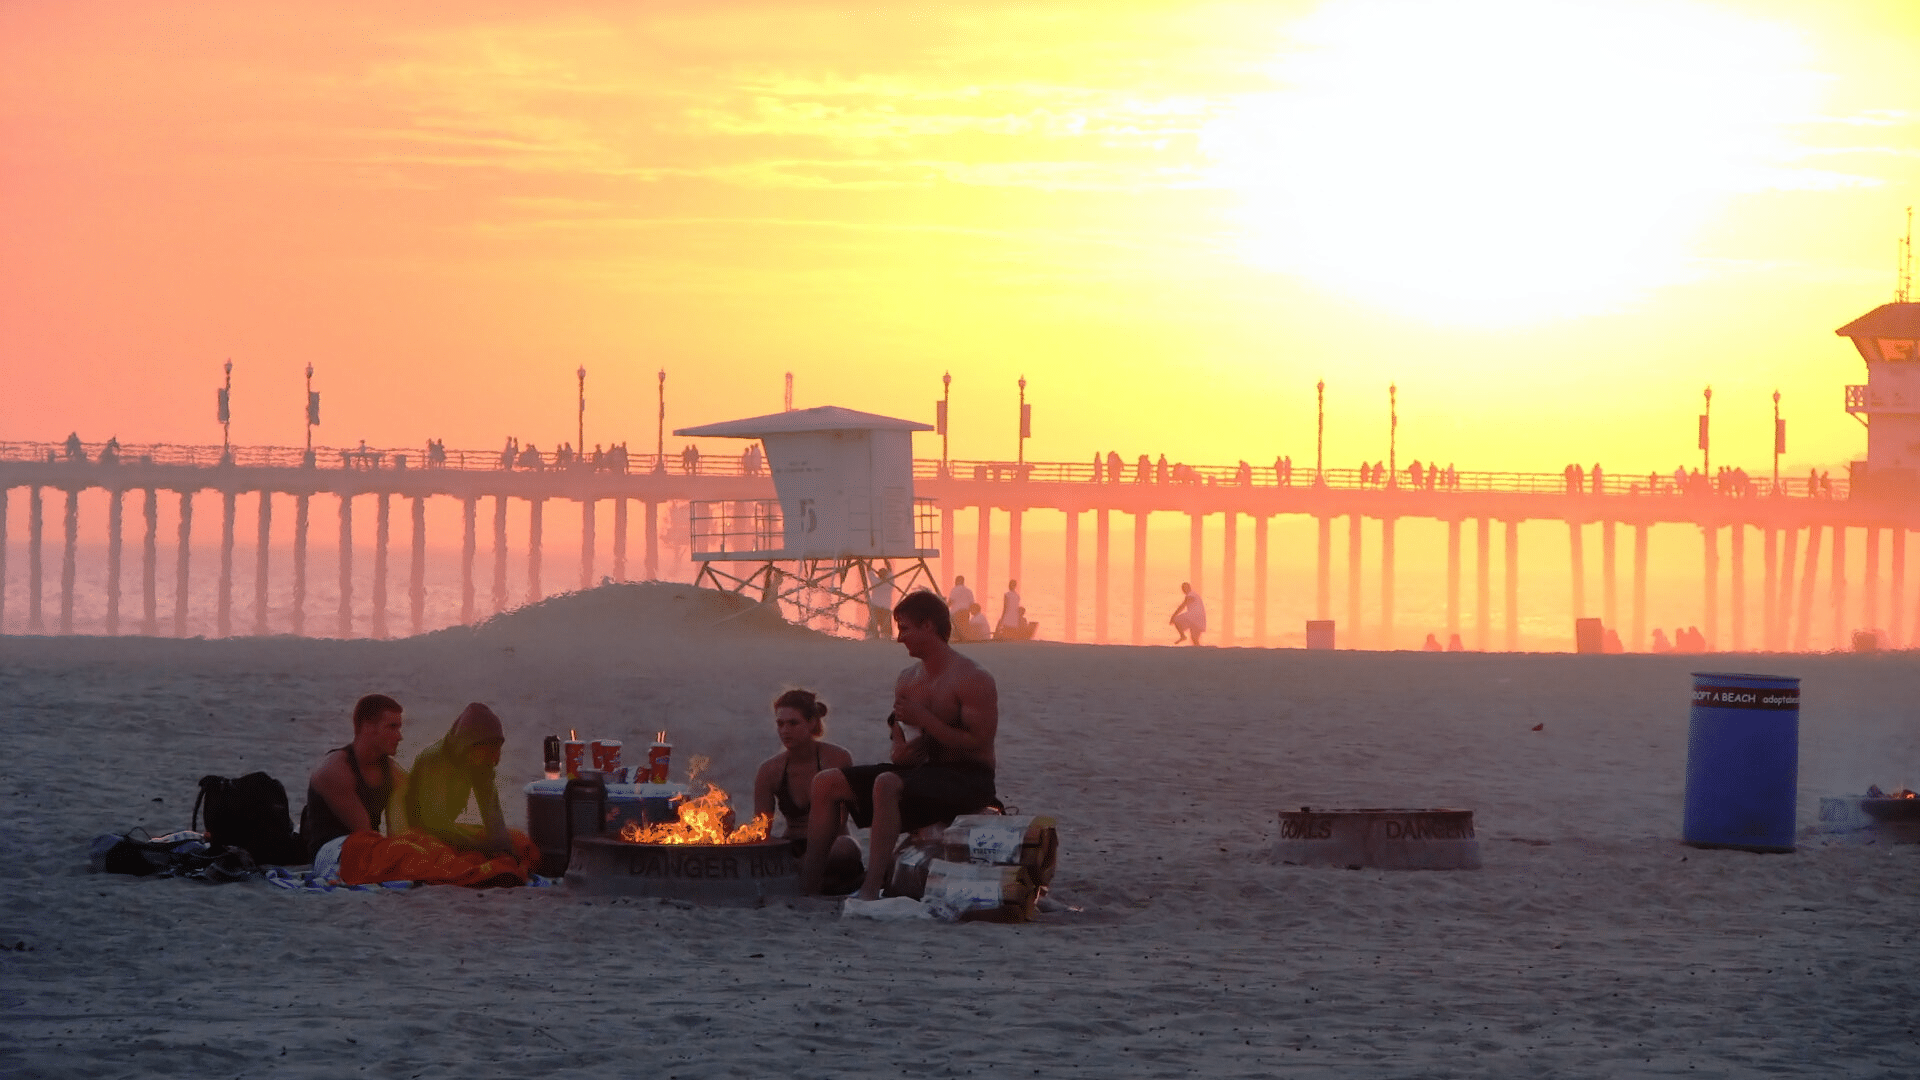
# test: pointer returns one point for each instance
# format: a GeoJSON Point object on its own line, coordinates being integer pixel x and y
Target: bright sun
{"type": "Point", "coordinates": [1501, 161]}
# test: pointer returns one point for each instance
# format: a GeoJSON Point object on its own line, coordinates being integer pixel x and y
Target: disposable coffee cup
{"type": "Point", "coordinates": [576, 757]}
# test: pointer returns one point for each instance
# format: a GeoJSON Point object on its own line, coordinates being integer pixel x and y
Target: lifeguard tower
{"type": "Point", "coordinates": [845, 522]}
{"type": "Point", "coordinates": [1888, 338]}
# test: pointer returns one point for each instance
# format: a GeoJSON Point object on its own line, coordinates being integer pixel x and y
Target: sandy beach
{"type": "Point", "coordinates": [1592, 944]}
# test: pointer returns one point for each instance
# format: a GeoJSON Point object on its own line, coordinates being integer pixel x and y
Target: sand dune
{"type": "Point", "coordinates": [1592, 944]}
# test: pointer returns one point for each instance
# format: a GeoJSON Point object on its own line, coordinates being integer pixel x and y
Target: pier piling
{"type": "Point", "coordinates": [1070, 622]}
{"type": "Point", "coordinates": [1102, 567]}
{"type": "Point", "coordinates": [68, 558]}
{"type": "Point", "coordinates": [469, 541]}
{"type": "Point", "coordinates": [382, 530]}
{"type": "Point", "coordinates": [1139, 576]}
{"type": "Point", "coordinates": [36, 523]}
{"type": "Point", "coordinates": [1513, 586]}
{"type": "Point", "coordinates": [223, 602]}
{"type": "Point", "coordinates": [263, 545]}
{"type": "Point", "coordinates": [417, 577]}
{"type": "Point", "coordinates": [298, 616]}
{"type": "Point", "coordinates": [1483, 585]}
{"type": "Point", "coordinates": [536, 507]}
{"type": "Point", "coordinates": [115, 527]}
{"type": "Point", "coordinates": [346, 565]}
{"type": "Point", "coordinates": [180, 569]}
{"type": "Point", "coordinates": [1260, 579]}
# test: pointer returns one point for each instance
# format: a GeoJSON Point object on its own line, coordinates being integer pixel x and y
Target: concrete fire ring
{"type": "Point", "coordinates": [720, 875]}
{"type": "Point", "coordinates": [1379, 839]}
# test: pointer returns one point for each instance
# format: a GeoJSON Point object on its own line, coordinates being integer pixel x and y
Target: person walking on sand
{"type": "Point", "coordinates": [1190, 618]}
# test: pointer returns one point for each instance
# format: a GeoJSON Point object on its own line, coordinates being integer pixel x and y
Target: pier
{"type": "Point", "coordinates": [1793, 525]}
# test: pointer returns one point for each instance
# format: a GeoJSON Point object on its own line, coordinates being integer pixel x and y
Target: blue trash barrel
{"type": "Point", "coordinates": [1743, 761]}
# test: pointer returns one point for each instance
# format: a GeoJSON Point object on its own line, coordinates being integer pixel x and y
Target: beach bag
{"type": "Point", "coordinates": [250, 813]}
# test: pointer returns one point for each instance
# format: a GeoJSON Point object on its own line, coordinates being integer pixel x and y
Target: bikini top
{"type": "Point", "coordinates": [795, 814]}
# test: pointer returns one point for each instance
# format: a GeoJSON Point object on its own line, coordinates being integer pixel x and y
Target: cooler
{"type": "Point", "coordinates": [547, 815]}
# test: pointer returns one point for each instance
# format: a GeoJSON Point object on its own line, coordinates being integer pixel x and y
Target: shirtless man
{"type": "Point", "coordinates": [356, 783]}
{"type": "Point", "coordinates": [942, 771]}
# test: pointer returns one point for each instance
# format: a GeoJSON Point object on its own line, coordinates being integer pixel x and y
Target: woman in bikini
{"type": "Point", "coordinates": [785, 780]}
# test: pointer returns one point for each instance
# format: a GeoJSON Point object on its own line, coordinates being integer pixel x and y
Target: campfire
{"type": "Point", "coordinates": [703, 819]}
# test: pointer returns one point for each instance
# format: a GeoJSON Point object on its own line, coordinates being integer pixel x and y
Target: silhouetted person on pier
{"type": "Point", "coordinates": [510, 456]}
{"type": "Point", "coordinates": [75, 452]}
{"type": "Point", "coordinates": [1599, 483]}
{"type": "Point", "coordinates": [110, 453]}
{"type": "Point", "coordinates": [1454, 644]}
{"type": "Point", "coordinates": [1244, 474]}
{"type": "Point", "coordinates": [1380, 472]}
{"type": "Point", "coordinates": [1190, 618]}
{"type": "Point", "coordinates": [1114, 467]}
{"type": "Point", "coordinates": [1366, 474]}
{"type": "Point", "coordinates": [690, 459]}
{"type": "Point", "coordinates": [1660, 642]}
{"type": "Point", "coordinates": [1145, 470]}
{"type": "Point", "coordinates": [1416, 478]}
{"type": "Point", "coordinates": [1098, 460]}
{"type": "Point", "coordinates": [1432, 644]}
{"type": "Point", "coordinates": [530, 458]}
{"type": "Point", "coordinates": [1161, 469]}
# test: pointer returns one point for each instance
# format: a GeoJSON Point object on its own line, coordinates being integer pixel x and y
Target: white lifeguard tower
{"type": "Point", "coordinates": [845, 521]}
{"type": "Point", "coordinates": [1888, 338]}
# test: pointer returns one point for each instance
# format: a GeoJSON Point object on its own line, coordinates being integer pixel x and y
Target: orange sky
{"type": "Point", "coordinates": [1550, 224]}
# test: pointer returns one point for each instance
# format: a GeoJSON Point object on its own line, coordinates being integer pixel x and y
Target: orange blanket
{"type": "Point", "coordinates": [367, 858]}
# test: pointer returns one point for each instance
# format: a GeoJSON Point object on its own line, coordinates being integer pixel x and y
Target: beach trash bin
{"type": "Point", "coordinates": [1319, 633]}
{"type": "Point", "coordinates": [1589, 636]}
{"type": "Point", "coordinates": [1743, 761]}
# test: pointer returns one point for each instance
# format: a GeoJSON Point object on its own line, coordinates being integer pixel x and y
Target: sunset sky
{"type": "Point", "coordinates": [1551, 224]}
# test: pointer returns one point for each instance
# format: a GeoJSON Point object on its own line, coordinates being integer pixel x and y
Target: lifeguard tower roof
{"type": "Point", "coordinates": [797, 421]}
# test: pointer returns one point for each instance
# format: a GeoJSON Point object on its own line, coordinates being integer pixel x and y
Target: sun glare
{"type": "Point", "coordinates": [1504, 161]}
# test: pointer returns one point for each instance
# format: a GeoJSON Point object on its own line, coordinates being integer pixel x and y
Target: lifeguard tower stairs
{"type": "Point", "coordinates": [845, 524]}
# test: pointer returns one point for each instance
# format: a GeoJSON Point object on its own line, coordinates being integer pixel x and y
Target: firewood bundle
{"type": "Point", "coordinates": [984, 867]}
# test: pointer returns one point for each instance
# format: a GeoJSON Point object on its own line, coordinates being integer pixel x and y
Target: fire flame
{"type": "Point", "coordinates": [706, 819]}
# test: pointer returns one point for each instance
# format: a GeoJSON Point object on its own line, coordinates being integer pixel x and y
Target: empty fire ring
{"type": "Point", "coordinates": [1380, 839]}
{"type": "Point", "coordinates": [738, 875]}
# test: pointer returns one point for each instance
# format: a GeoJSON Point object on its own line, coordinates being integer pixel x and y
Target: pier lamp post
{"type": "Point", "coordinates": [1706, 436]}
{"type": "Point", "coordinates": [1393, 435]}
{"type": "Point", "coordinates": [1026, 432]}
{"type": "Point", "coordinates": [1779, 441]}
{"type": "Point", "coordinates": [940, 418]}
{"type": "Point", "coordinates": [226, 417]}
{"type": "Point", "coordinates": [313, 415]}
{"type": "Point", "coordinates": [660, 428]}
{"type": "Point", "coordinates": [1320, 432]}
{"type": "Point", "coordinates": [579, 447]}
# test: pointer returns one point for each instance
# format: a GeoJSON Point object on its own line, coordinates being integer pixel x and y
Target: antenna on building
{"type": "Point", "coordinates": [1904, 289]}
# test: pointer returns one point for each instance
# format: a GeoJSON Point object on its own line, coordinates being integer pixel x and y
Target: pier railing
{"type": "Point", "coordinates": [435, 456]}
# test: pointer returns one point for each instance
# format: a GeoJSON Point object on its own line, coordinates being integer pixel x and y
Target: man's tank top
{"type": "Point", "coordinates": [318, 822]}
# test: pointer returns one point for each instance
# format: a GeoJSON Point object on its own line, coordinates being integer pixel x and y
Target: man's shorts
{"type": "Point", "coordinates": [929, 793]}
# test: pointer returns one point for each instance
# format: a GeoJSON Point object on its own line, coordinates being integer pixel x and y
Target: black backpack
{"type": "Point", "coordinates": [250, 813]}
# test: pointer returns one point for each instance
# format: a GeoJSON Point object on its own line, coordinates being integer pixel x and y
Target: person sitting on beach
{"type": "Point", "coordinates": [458, 768]}
{"type": "Point", "coordinates": [978, 629]}
{"type": "Point", "coordinates": [354, 785]}
{"type": "Point", "coordinates": [799, 718]}
{"type": "Point", "coordinates": [942, 769]}
{"type": "Point", "coordinates": [1190, 618]}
